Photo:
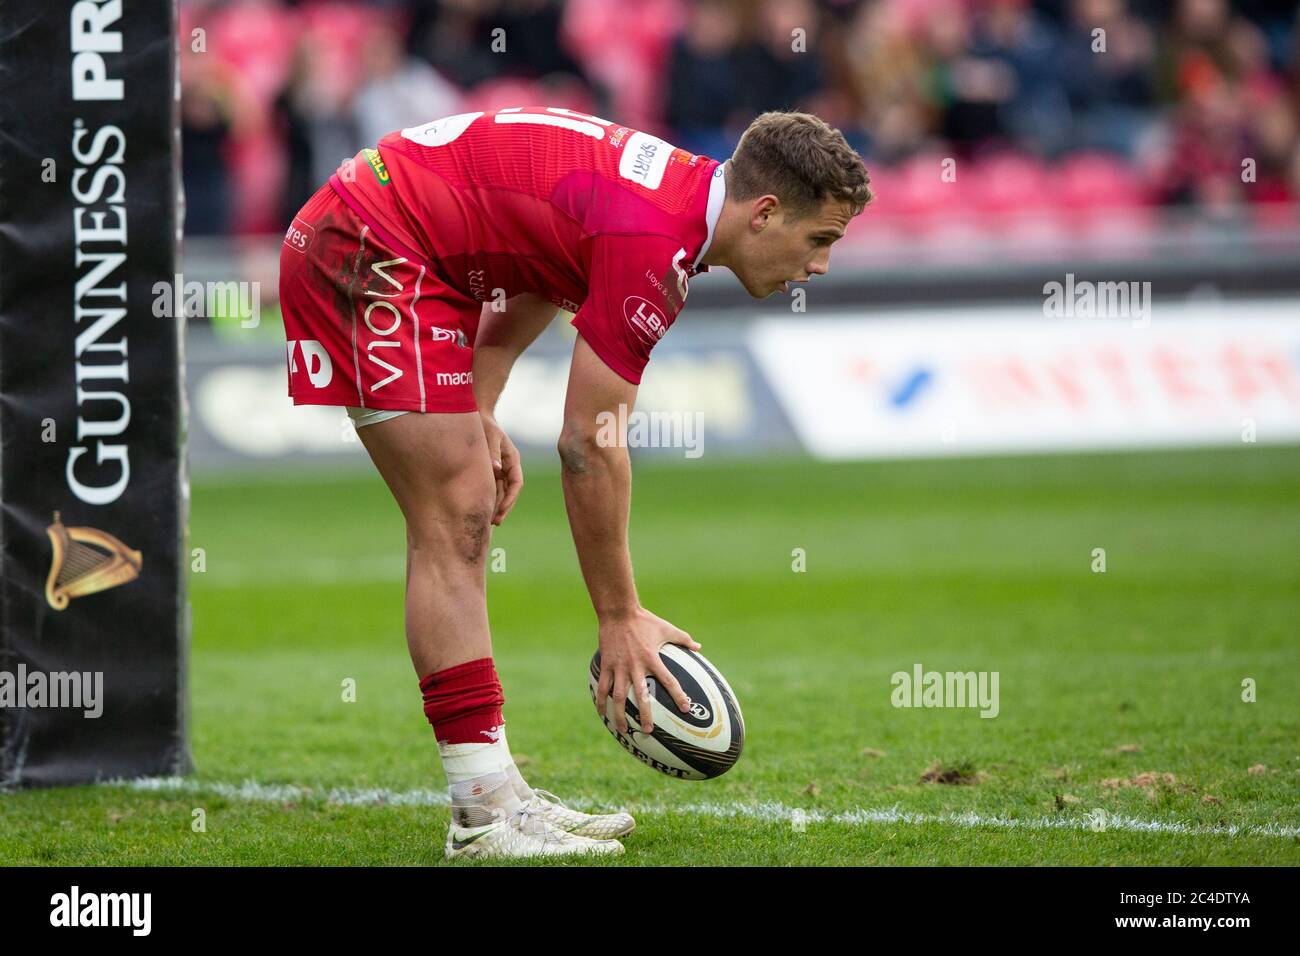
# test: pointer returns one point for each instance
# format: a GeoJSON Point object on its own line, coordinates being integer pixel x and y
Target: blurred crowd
{"type": "Point", "coordinates": [1083, 103]}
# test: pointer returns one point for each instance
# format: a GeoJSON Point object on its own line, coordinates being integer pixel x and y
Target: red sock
{"type": "Point", "coordinates": [463, 703]}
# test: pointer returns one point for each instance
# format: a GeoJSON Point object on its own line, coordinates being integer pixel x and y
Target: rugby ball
{"type": "Point", "coordinates": [702, 743]}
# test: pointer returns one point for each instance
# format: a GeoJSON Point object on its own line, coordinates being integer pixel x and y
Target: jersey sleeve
{"type": "Point", "coordinates": [636, 288]}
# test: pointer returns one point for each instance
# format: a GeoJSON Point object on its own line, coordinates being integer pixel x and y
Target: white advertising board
{"type": "Point", "coordinates": [1014, 379]}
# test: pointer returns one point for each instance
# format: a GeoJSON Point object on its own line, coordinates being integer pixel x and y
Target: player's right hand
{"type": "Point", "coordinates": [507, 468]}
{"type": "Point", "coordinates": [629, 653]}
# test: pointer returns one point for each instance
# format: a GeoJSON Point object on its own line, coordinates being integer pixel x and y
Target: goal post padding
{"type": "Point", "coordinates": [94, 621]}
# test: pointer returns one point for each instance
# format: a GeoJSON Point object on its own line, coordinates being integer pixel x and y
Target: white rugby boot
{"type": "Point", "coordinates": [524, 833]}
{"type": "Point", "coordinates": [597, 826]}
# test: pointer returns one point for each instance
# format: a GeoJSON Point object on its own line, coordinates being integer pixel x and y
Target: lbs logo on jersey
{"type": "Point", "coordinates": [648, 321]}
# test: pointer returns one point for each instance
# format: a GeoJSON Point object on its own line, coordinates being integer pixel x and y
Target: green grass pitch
{"type": "Point", "coordinates": [1122, 736]}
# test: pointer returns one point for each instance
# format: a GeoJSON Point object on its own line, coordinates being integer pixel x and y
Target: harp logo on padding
{"type": "Point", "coordinates": [86, 560]}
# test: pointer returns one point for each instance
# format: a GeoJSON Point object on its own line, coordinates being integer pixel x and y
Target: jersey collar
{"type": "Point", "coordinates": [717, 195]}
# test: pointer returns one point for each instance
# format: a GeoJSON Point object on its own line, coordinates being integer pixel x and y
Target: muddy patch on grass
{"type": "Point", "coordinates": [953, 775]}
{"type": "Point", "coordinates": [1150, 782]}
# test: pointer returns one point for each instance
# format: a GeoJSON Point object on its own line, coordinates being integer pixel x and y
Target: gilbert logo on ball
{"type": "Point", "coordinates": [704, 742]}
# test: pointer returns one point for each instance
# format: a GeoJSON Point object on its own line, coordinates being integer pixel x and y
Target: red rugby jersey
{"type": "Point", "coordinates": [604, 221]}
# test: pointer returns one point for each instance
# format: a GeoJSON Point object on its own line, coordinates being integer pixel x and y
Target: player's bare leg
{"type": "Point", "coordinates": [439, 471]}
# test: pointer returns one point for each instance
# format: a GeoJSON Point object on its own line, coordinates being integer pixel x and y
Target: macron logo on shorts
{"type": "Point", "coordinates": [455, 378]}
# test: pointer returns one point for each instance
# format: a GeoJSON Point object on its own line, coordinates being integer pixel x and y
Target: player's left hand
{"type": "Point", "coordinates": [629, 653]}
{"type": "Point", "coordinates": [506, 467]}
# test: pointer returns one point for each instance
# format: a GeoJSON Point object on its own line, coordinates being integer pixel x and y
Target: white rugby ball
{"type": "Point", "coordinates": [702, 743]}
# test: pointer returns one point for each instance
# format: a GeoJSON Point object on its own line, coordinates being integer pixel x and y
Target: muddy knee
{"type": "Point", "coordinates": [458, 529]}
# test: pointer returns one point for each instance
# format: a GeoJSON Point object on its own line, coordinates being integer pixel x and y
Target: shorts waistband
{"type": "Point", "coordinates": [393, 243]}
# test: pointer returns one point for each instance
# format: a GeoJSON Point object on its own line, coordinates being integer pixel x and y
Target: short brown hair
{"type": "Point", "coordinates": [801, 160]}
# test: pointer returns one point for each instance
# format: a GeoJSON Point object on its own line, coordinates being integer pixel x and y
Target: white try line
{"type": "Point", "coordinates": [767, 812]}
{"type": "Point", "coordinates": [359, 570]}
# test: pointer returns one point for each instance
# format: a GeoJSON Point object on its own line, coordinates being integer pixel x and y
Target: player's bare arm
{"type": "Point", "coordinates": [502, 338]}
{"type": "Point", "coordinates": [597, 479]}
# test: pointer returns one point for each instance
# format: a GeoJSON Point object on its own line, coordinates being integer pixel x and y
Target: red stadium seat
{"type": "Point", "coordinates": [1102, 198]}
{"type": "Point", "coordinates": [1093, 180]}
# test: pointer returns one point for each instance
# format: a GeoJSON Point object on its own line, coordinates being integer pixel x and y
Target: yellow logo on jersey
{"type": "Point", "coordinates": [377, 166]}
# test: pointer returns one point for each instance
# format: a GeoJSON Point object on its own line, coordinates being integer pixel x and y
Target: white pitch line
{"type": "Point", "coordinates": [769, 812]}
{"type": "Point", "coordinates": [288, 793]}
{"type": "Point", "coordinates": [362, 570]}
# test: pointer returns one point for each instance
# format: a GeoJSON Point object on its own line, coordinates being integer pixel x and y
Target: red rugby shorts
{"type": "Point", "coordinates": [367, 325]}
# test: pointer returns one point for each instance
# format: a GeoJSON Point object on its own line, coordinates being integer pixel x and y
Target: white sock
{"type": "Point", "coordinates": [482, 778]}
{"type": "Point", "coordinates": [463, 762]}
{"type": "Point", "coordinates": [522, 790]}
{"type": "Point", "coordinates": [483, 800]}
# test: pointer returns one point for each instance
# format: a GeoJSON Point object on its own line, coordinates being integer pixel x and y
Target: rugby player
{"type": "Point", "coordinates": [412, 281]}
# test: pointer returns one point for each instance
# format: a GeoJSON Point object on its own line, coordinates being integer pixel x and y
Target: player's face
{"type": "Point", "coordinates": [782, 251]}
